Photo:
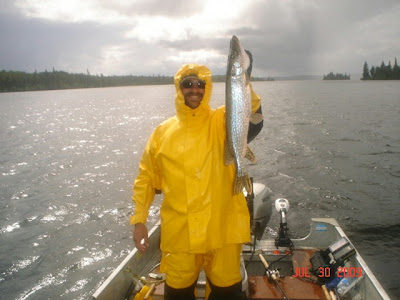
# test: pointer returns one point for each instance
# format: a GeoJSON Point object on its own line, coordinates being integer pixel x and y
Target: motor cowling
{"type": "Point", "coordinates": [260, 208]}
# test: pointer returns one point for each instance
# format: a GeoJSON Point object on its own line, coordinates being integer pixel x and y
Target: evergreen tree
{"type": "Point", "coordinates": [366, 72]}
{"type": "Point", "coordinates": [373, 72]}
{"type": "Point", "coordinates": [396, 70]}
{"type": "Point", "coordinates": [381, 72]}
{"type": "Point", "coordinates": [389, 71]}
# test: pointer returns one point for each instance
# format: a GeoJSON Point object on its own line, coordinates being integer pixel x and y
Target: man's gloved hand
{"type": "Point", "coordinates": [250, 68]}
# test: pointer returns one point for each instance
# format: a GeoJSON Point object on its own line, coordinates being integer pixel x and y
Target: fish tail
{"type": "Point", "coordinates": [242, 182]}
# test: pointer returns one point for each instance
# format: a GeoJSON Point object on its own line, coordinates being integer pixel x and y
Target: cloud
{"type": "Point", "coordinates": [316, 37]}
{"type": "Point", "coordinates": [179, 8]}
{"type": "Point", "coordinates": [29, 44]}
{"type": "Point", "coordinates": [366, 31]}
{"type": "Point", "coordinates": [283, 37]}
{"type": "Point", "coordinates": [154, 37]}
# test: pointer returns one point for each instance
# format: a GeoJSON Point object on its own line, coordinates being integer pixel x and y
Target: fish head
{"type": "Point", "coordinates": [238, 59]}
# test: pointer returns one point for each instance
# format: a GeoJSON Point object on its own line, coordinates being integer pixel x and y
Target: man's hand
{"type": "Point", "coordinates": [140, 233]}
{"type": "Point", "coordinates": [250, 68]}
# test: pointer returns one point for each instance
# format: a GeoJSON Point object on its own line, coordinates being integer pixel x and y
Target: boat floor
{"type": "Point", "coordinates": [259, 287]}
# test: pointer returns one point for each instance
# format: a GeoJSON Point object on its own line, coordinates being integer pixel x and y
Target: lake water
{"type": "Point", "coordinates": [68, 160]}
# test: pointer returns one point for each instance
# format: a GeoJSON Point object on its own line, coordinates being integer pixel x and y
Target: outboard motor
{"type": "Point", "coordinates": [260, 209]}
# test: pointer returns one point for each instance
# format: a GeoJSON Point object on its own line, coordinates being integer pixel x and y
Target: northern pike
{"type": "Point", "coordinates": [238, 113]}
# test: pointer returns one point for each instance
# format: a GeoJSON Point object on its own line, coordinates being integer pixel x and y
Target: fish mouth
{"type": "Point", "coordinates": [238, 60]}
{"type": "Point", "coordinates": [235, 46]}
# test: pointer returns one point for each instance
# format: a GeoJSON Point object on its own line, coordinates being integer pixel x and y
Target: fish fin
{"type": "Point", "coordinates": [228, 157]}
{"type": "Point", "coordinates": [242, 182]}
{"type": "Point", "coordinates": [256, 118]}
{"type": "Point", "coordinates": [250, 155]}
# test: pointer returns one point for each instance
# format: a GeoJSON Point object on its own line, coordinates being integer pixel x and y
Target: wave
{"type": "Point", "coordinates": [386, 231]}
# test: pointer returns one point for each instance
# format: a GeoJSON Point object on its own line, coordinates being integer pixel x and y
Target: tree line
{"type": "Point", "coordinates": [336, 76]}
{"type": "Point", "coordinates": [13, 81]}
{"type": "Point", "coordinates": [16, 81]}
{"type": "Point", "coordinates": [384, 72]}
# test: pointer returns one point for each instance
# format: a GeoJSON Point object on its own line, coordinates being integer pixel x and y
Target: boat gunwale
{"type": "Point", "coordinates": [300, 243]}
{"type": "Point", "coordinates": [120, 268]}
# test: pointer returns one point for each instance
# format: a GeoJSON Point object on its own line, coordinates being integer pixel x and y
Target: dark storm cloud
{"type": "Point", "coordinates": [291, 39]}
{"type": "Point", "coordinates": [28, 44]}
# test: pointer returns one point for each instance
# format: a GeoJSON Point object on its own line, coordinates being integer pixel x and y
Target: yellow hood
{"type": "Point", "coordinates": [203, 73]}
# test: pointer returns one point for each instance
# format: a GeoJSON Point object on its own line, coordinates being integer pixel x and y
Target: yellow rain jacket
{"type": "Point", "coordinates": [184, 158]}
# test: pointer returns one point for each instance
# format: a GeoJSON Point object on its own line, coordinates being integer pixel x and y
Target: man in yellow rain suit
{"type": "Point", "coordinates": [203, 224]}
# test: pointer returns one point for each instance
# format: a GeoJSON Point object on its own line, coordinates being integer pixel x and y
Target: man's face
{"type": "Point", "coordinates": [193, 91]}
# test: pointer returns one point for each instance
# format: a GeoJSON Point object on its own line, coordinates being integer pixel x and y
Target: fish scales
{"type": "Point", "coordinates": [238, 111]}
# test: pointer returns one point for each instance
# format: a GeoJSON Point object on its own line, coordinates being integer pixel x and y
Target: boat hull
{"type": "Point", "coordinates": [293, 281]}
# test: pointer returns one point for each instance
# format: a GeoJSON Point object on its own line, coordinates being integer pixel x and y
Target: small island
{"type": "Point", "coordinates": [336, 76]}
{"type": "Point", "coordinates": [384, 72]}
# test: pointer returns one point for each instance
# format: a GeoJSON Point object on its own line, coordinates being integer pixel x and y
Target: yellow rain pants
{"type": "Point", "coordinates": [222, 267]}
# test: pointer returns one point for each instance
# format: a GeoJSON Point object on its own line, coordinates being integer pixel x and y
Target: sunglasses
{"type": "Point", "coordinates": [189, 83]}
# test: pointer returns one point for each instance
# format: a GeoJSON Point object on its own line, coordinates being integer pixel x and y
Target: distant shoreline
{"type": "Point", "coordinates": [18, 81]}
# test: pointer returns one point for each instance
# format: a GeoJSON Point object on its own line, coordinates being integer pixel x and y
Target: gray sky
{"type": "Point", "coordinates": [145, 37]}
